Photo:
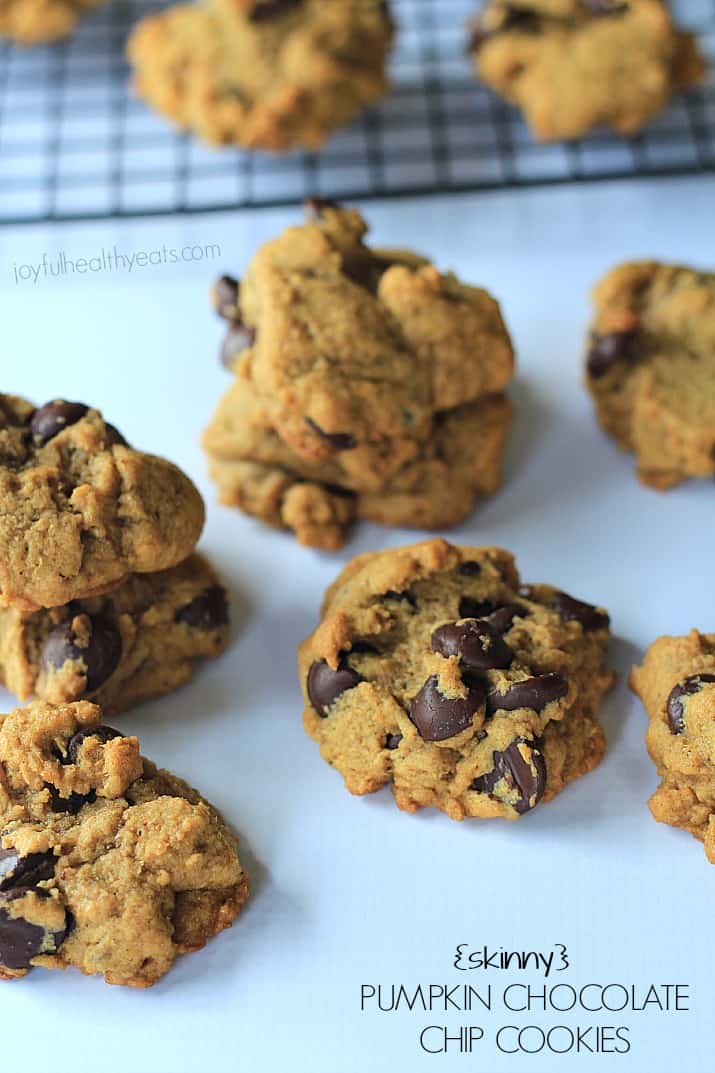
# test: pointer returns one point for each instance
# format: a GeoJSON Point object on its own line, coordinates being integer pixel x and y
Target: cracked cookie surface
{"type": "Point", "coordinates": [571, 65]}
{"type": "Point", "coordinates": [272, 74]}
{"type": "Point", "coordinates": [107, 863]}
{"type": "Point", "coordinates": [32, 22]}
{"type": "Point", "coordinates": [676, 683]}
{"type": "Point", "coordinates": [434, 670]}
{"type": "Point", "coordinates": [80, 509]}
{"type": "Point", "coordinates": [139, 641]}
{"type": "Point", "coordinates": [651, 368]}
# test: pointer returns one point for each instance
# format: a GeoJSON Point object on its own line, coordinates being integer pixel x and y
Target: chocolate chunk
{"type": "Point", "coordinates": [264, 10]}
{"type": "Point", "coordinates": [602, 8]}
{"type": "Point", "coordinates": [113, 436]}
{"type": "Point", "coordinates": [469, 568]}
{"type": "Point", "coordinates": [675, 706]}
{"type": "Point", "coordinates": [514, 19]}
{"type": "Point", "coordinates": [589, 616]}
{"type": "Point", "coordinates": [341, 441]}
{"type": "Point", "coordinates": [100, 657]}
{"type": "Point", "coordinates": [364, 648]}
{"type": "Point", "coordinates": [392, 741]}
{"type": "Point", "coordinates": [20, 940]}
{"type": "Point", "coordinates": [325, 685]}
{"type": "Point", "coordinates": [100, 731]}
{"type": "Point", "coordinates": [606, 350]}
{"type": "Point", "coordinates": [207, 611]}
{"type": "Point", "coordinates": [502, 618]}
{"type": "Point", "coordinates": [522, 767]}
{"type": "Point", "coordinates": [71, 804]}
{"type": "Point", "coordinates": [474, 642]}
{"type": "Point", "coordinates": [28, 871]}
{"type": "Point", "coordinates": [54, 416]}
{"type": "Point", "coordinates": [471, 608]}
{"type": "Point", "coordinates": [534, 693]}
{"type": "Point", "coordinates": [438, 717]}
{"type": "Point", "coordinates": [225, 297]}
{"type": "Point", "coordinates": [238, 338]}
{"type": "Point", "coordinates": [315, 208]}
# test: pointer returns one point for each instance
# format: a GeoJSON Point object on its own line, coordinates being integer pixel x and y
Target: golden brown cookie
{"type": "Point", "coordinates": [273, 74]}
{"type": "Point", "coordinates": [651, 368]}
{"type": "Point", "coordinates": [367, 384]}
{"type": "Point", "coordinates": [676, 683]}
{"type": "Point", "coordinates": [571, 65]}
{"type": "Point", "coordinates": [138, 641]}
{"type": "Point", "coordinates": [80, 509]}
{"type": "Point", "coordinates": [32, 22]}
{"type": "Point", "coordinates": [107, 863]}
{"type": "Point", "coordinates": [433, 669]}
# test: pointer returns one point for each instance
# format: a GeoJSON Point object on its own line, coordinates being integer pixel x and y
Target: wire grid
{"type": "Point", "coordinates": [76, 144]}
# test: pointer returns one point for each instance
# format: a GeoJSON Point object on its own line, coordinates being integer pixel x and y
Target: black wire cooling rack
{"type": "Point", "coordinates": [75, 144]}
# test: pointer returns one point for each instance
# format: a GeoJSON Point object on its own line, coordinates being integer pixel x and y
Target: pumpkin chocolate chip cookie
{"type": "Point", "coordinates": [80, 509]}
{"type": "Point", "coordinates": [366, 384]}
{"type": "Point", "coordinates": [138, 641]}
{"type": "Point", "coordinates": [676, 683]}
{"type": "Point", "coordinates": [32, 22]}
{"type": "Point", "coordinates": [651, 368]}
{"type": "Point", "coordinates": [107, 863]}
{"type": "Point", "coordinates": [272, 74]}
{"type": "Point", "coordinates": [433, 669]}
{"type": "Point", "coordinates": [571, 65]}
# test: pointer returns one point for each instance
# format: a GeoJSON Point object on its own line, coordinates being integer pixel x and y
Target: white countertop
{"type": "Point", "coordinates": [348, 891]}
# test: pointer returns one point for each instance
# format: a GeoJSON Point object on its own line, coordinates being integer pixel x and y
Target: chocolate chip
{"type": "Point", "coordinates": [605, 7]}
{"type": "Point", "coordinates": [99, 730]}
{"type": "Point", "coordinates": [341, 441]}
{"type": "Point", "coordinates": [515, 19]}
{"type": "Point", "coordinates": [675, 707]}
{"type": "Point", "coordinates": [71, 804]}
{"type": "Point", "coordinates": [527, 774]}
{"type": "Point", "coordinates": [54, 416]}
{"type": "Point", "coordinates": [438, 717]}
{"type": "Point", "coordinates": [470, 568]}
{"type": "Point", "coordinates": [502, 618]}
{"type": "Point", "coordinates": [264, 10]}
{"type": "Point", "coordinates": [16, 870]}
{"type": "Point", "coordinates": [571, 609]}
{"type": "Point", "coordinates": [392, 741]}
{"type": "Point", "coordinates": [315, 208]}
{"type": "Point", "coordinates": [470, 608]}
{"type": "Point", "coordinates": [238, 338]}
{"type": "Point", "coordinates": [113, 436]}
{"type": "Point", "coordinates": [225, 297]}
{"type": "Point", "coordinates": [534, 693]}
{"type": "Point", "coordinates": [474, 642]}
{"type": "Point", "coordinates": [207, 611]}
{"type": "Point", "coordinates": [606, 350]}
{"type": "Point", "coordinates": [100, 657]}
{"type": "Point", "coordinates": [364, 648]}
{"type": "Point", "coordinates": [20, 940]}
{"type": "Point", "coordinates": [325, 685]}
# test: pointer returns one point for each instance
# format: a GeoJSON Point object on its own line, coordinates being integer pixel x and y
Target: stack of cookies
{"type": "Point", "coordinates": [366, 385]}
{"type": "Point", "coordinates": [101, 593]}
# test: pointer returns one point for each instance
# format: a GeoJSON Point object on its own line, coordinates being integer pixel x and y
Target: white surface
{"type": "Point", "coordinates": [349, 891]}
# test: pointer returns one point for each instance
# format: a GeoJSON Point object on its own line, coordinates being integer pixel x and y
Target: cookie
{"type": "Point", "coordinates": [139, 641]}
{"type": "Point", "coordinates": [271, 74]}
{"type": "Point", "coordinates": [651, 368]}
{"type": "Point", "coordinates": [571, 65]}
{"type": "Point", "coordinates": [32, 22]}
{"type": "Point", "coordinates": [353, 347]}
{"type": "Point", "coordinates": [80, 509]}
{"type": "Point", "coordinates": [676, 683]}
{"type": "Point", "coordinates": [434, 670]}
{"type": "Point", "coordinates": [429, 485]}
{"type": "Point", "coordinates": [362, 381]}
{"type": "Point", "coordinates": [107, 863]}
